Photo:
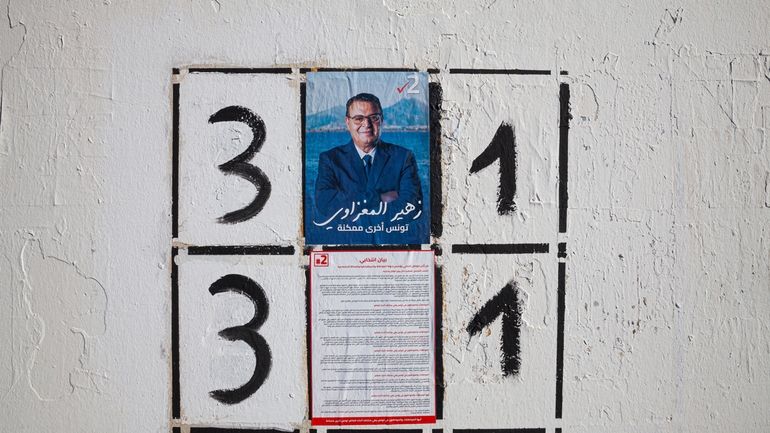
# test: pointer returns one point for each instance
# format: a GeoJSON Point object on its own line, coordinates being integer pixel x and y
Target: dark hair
{"type": "Point", "coordinates": [363, 97]}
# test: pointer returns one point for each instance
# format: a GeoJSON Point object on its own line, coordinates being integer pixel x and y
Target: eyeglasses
{"type": "Point", "coordinates": [359, 120]}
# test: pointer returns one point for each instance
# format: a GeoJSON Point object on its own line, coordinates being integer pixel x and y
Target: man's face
{"type": "Point", "coordinates": [364, 132]}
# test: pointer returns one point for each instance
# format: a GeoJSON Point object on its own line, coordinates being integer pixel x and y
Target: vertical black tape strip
{"type": "Point", "coordinates": [564, 118]}
{"type": "Point", "coordinates": [562, 250]}
{"type": "Point", "coordinates": [175, 161]}
{"type": "Point", "coordinates": [558, 429]}
{"type": "Point", "coordinates": [302, 108]}
{"type": "Point", "coordinates": [439, 293]}
{"type": "Point", "coordinates": [176, 430]}
{"type": "Point", "coordinates": [308, 345]}
{"type": "Point", "coordinates": [175, 405]}
{"type": "Point", "coordinates": [435, 94]}
{"type": "Point", "coordinates": [437, 250]}
{"type": "Point", "coordinates": [560, 339]}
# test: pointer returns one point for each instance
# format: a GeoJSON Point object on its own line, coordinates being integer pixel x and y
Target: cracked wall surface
{"type": "Point", "coordinates": [668, 287]}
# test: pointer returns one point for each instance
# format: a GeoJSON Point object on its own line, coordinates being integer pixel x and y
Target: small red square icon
{"type": "Point", "coordinates": [321, 260]}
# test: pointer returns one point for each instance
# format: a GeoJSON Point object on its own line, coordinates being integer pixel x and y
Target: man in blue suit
{"type": "Point", "coordinates": [366, 172]}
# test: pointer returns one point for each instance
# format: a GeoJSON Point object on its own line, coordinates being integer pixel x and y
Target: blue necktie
{"type": "Point", "coordinates": [367, 164]}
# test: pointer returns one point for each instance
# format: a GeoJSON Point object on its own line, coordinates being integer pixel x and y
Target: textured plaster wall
{"type": "Point", "coordinates": [668, 288]}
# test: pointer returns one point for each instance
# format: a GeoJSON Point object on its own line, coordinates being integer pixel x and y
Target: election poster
{"type": "Point", "coordinates": [373, 337]}
{"type": "Point", "coordinates": [367, 159]}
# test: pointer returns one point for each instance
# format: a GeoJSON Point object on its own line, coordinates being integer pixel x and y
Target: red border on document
{"type": "Point", "coordinates": [365, 420]}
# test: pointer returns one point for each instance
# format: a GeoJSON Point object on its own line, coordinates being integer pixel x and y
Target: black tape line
{"type": "Point", "coordinates": [500, 248]}
{"type": "Point", "coordinates": [309, 345]}
{"type": "Point", "coordinates": [302, 112]}
{"type": "Point", "coordinates": [175, 388]}
{"type": "Point", "coordinates": [240, 70]}
{"type": "Point", "coordinates": [560, 338]}
{"type": "Point", "coordinates": [236, 430]}
{"type": "Point", "coordinates": [562, 250]}
{"type": "Point", "coordinates": [436, 205]}
{"type": "Point", "coordinates": [500, 72]}
{"type": "Point", "coordinates": [373, 431]}
{"type": "Point", "coordinates": [440, 385]}
{"type": "Point", "coordinates": [175, 161]}
{"type": "Point", "coordinates": [500, 430]}
{"type": "Point", "coordinates": [564, 118]}
{"type": "Point", "coordinates": [238, 250]}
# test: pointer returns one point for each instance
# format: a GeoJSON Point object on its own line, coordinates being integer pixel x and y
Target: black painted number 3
{"type": "Point", "coordinates": [239, 165]}
{"type": "Point", "coordinates": [246, 333]}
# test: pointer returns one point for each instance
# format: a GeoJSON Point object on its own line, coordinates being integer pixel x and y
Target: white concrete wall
{"type": "Point", "coordinates": [668, 287]}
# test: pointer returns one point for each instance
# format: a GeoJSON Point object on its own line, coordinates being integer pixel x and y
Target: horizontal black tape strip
{"type": "Point", "coordinates": [373, 431]}
{"type": "Point", "coordinates": [501, 71]}
{"type": "Point", "coordinates": [500, 430]}
{"type": "Point", "coordinates": [499, 248]}
{"type": "Point", "coordinates": [254, 250]}
{"type": "Point", "coordinates": [242, 70]}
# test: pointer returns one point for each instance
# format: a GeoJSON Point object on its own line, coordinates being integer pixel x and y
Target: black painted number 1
{"type": "Point", "coordinates": [239, 165]}
{"type": "Point", "coordinates": [505, 303]}
{"type": "Point", "coordinates": [246, 333]}
{"type": "Point", "coordinates": [502, 147]}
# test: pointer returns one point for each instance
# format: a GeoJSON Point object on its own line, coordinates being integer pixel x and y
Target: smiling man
{"type": "Point", "coordinates": [367, 171]}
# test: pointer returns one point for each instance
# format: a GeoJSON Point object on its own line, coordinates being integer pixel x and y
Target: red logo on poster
{"type": "Point", "coordinates": [321, 260]}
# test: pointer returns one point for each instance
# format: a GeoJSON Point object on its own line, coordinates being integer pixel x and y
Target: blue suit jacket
{"type": "Point", "coordinates": [342, 179]}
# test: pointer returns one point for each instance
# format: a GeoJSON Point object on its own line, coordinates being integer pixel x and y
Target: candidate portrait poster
{"type": "Point", "coordinates": [367, 159]}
